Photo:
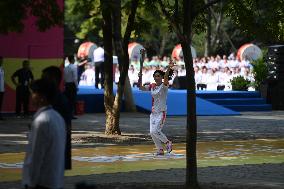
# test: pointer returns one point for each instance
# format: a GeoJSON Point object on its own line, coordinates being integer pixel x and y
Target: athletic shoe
{"type": "Point", "coordinates": [169, 146]}
{"type": "Point", "coordinates": [160, 152]}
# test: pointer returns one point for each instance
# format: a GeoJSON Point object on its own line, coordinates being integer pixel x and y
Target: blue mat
{"type": "Point", "coordinates": [177, 104]}
{"type": "Point", "coordinates": [94, 102]}
{"type": "Point", "coordinates": [93, 99]}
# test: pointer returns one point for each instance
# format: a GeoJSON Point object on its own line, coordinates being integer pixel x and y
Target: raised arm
{"type": "Point", "coordinates": [141, 87]}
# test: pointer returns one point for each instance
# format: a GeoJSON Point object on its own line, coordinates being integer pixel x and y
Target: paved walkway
{"type": "Point", "coordinates": [89, 129]}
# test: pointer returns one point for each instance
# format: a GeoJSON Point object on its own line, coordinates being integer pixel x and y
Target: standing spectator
{"type": "Point", "coordinates": [25, 77]}
{"type": "Point", "coordinates": [71, 84]}
{"type": "Point", "coordinates": [81, 66]}
{"type": "Point", "coordinates": [99, 58]}
{"type": "Point", "coordinates": [61, 105]}
{"type": "Point", "coordinates": [44, 160]}
{"type": "Point", "coordinates": [2, 86]}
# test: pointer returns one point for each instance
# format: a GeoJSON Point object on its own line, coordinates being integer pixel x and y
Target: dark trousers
{"type": "Point", "coordinates": [61, 105]}
{"type": "Point", "coordinates": [1, 102]}
{"type": "Point", "coordinates": [71, 93]}
{"type": "Point", "coordinates": [22, 98]}
{"type": "Point", "coordinates": [68, 147]}
{"type": "Point", "coordinates": [38, 187]}
{"type": "Point", "coordinates": [201, 86]}
{"type": "Point", "coordinates": [220, 87]}
{"type": "Point", "coordinates": [99, 69]}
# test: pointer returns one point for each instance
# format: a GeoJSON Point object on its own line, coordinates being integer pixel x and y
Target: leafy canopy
{"type": "Point", "coordinates": [14, 12]}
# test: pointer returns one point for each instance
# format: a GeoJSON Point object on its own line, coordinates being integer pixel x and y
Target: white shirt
{"type": "Point", "coordinates": [45, 154]}
{"type": "Point", "coordinates": [2, 83]}
{"type": "Point", "coordinates": [88, 77]}
{"type": "Point", "coordinates": [99, 54]}
{"type": "Point", "coordinates": [71, 74]}
{"type": "Point", "coordinates": [133, 76]}
{"type": "Point", "coordinates": [197, 77]}
{"type": "Point", "coordinates": [159, 97]}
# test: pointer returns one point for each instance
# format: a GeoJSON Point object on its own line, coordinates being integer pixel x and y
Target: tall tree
{"type": "Point", "coordinates": [189, 20]}
{"type": "Point", "coordinates": [181, 17]}
{"type": "Point", "coordinates": [113, 103]}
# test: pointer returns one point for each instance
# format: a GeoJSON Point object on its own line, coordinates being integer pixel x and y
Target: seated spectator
{"type": "Point", "coordinates": [88, 76]}
{"type": "Point", "coordinates": [212, 80]}
{"type": "Point", "coordinates": [204, 79]}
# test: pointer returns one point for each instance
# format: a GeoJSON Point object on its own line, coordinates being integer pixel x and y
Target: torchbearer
{"type": "Point", "coordinates": [159, 91]}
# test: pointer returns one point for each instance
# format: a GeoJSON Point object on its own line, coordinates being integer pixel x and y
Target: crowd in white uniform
{"type": "Point", "coordinates": [212, 71]}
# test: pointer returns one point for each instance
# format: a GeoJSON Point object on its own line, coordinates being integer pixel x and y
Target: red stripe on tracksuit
{"type": "Point", "coordinates": [164, 117]}
{"type": "Point", "coordinates": [152, 86]}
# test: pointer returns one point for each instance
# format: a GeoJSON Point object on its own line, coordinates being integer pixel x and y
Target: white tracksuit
{"type": "Point", "coordinates": [158, 114]}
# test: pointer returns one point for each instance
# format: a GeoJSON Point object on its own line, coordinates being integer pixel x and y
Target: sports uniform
{"type": "Point", "coordinates": [158, 114]}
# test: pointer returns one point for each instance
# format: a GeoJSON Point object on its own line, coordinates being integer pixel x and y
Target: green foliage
{"type": "Point", "coordinates": [7, 16]}
{"type": "Point", "coordinates": [84, 18]}
{"type": "Point", "coordinates": [239, 83]}
{"type": "Point", "coordinates": [262, 20]}
{"type": "Point", "coordinates": [13, 12]}
{"type": "Point", "coordinates": [260, 72]}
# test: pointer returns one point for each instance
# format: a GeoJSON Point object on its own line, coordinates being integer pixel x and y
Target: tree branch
{"type": "Point", "coordinates": [224, 31]}
{"type": "Point", "coordinates": [130, 22]}
{"type": "Point", "coordinates": [206, 6]}
{"type": "Point", "coordinates": [171, 19]}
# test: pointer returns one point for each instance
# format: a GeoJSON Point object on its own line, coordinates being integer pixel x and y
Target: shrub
{"type": "Point", "coordinates": [260, 72]}
{"type": "Point", "coordinates": [239, 83]}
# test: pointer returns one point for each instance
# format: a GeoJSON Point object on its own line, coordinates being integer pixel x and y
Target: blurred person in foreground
{"type": "Point", "coordinates": [2, 86]}
{"type": "Point", "coordinates": [61, 105]}
{"type": "Point", "coordinates": [44, 160]}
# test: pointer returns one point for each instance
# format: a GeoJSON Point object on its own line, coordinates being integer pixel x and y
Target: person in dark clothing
{"type": "Point", "coordinates": [24, 78]}
{"type": "Point", "coordinates": [99, 66]}
{"type": "Point", "coordinates": [71, 84]}
{"type": "Point", "coordinates": [61, 105]}
{"type": "Point", "coordinates": [2, 86]}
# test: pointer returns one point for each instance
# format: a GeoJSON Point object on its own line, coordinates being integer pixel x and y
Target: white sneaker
{"type": "Point", "coordinates": [169, 146]}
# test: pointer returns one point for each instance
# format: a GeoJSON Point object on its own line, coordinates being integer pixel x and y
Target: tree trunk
{"type": "Point", "coordinates": [112, 118]}
{"type": "Point", "coordinates": [225, 34]}
{"type": "Point", "coordinates": [113, 105]}
{"type": "Point", "coordinates": [122, 58]}
{"type": "Point", "coordinates": [208, 33]}
{"type": "Point", "coordinates": [123, 68]}
{"type": "Point", "coordinates": [163, 44]}
{"type": "Point", "coordinates": [191, 134]}
{"type": "Point", "coordinates": [218, 25]}
{"type": "Point", "coordinates": [128, 97]}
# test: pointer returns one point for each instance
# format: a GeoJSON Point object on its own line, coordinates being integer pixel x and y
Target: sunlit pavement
{"type": "Point", "coordinates": [232, 140]}
{"type": "Point", "coordinates": [113, 159]}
